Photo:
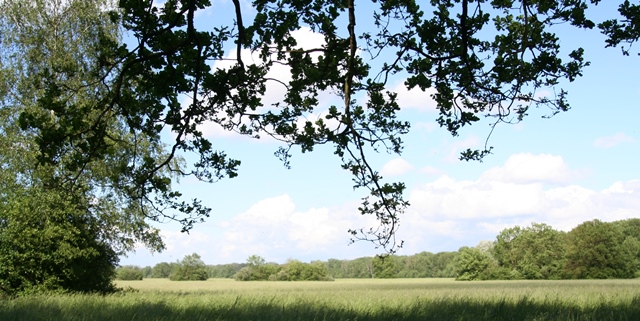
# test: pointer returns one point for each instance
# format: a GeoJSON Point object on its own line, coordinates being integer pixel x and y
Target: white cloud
{"type": "Point", "coordinates": [445, 214]}
{"type": "Point", "coordinates": [610, 141]}
{"type": "Point", "coordinates": [506, 196]}
{"type": "Point", "coordinates": [395, 167]}
{"type": "Point", "coordinates": [415, 98]}
{"type": "Point", "coordinates": [529, 168]}
{"type": "Point", "coordinates": [431, 171]}
{"type": "Point", "coordinates": [453, 149]}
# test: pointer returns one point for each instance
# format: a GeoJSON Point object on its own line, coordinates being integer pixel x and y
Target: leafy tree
{"type": "Point", "coordinates": [129, 272]}
{"type": "Point", "coordinates": [147, 271]}
{"type": "Point", "coordinates": [483, 58]}
{"type": "Point", "coordinates": [224, 270]}
{"type": "Point", "coordinates": [384, 267]}
{"type": "Point", "coordinates": [190, 268]}
{"type": "Point", "coordinates": [597, 250]}
{"type": "Point", "coordinates": [51, 245]}
{"type": "Point", "coordinates": [91, 109]}
{"type": "Point", "coordinates": [63, 220]}
{"type": "Point", "coordinates": [473, 264]}
{"type": "Point", "coordinates": [295, 270]}
{"type": "Point", "coordinates": [257, 269]}
{"type": "Point", "coordinates": [535, 252]}
{"type": "Point", "coordinates": [163, 270]}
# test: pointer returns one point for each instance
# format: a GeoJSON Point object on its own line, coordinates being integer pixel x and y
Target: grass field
{"type": "Point", "coordinates": [396, 299]}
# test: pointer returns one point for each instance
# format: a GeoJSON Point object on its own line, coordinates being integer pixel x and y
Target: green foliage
{"type": "Point", "coordinates": [162, 270]}
{"type": "Point", "coordinates": [295, 270]}
{"type": "Point", "coordinates": [535, 252]}
{"type": "Point", "coordinates": [258, 270]}
{"type": "Point", "coordinates": [474, 264]}
{"type": "Point", "coordinates": [82, 114]}
{"type": "Point", "coordinates": [487, 60]}
{"type": "Point", "coordinates": [384, 267]}
{"type": "Point", "coordinates": [597, 250]}
{"type": "Point", "coordinates": [146, 272]}
{"type": "Point", "coordinates": [51, 245]}
{"type": "Point", "coordinates": [592, 250]}
{"type": "Point", "coordinates": [129, 273]}
{"type": "Point", "coordinates": [63, 219]}
{"type": "Point", "coordinates": [224, 270]}
{"type": "Point", "coordinates": [191, 268]}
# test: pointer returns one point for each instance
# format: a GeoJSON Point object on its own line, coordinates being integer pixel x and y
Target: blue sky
{"type": "Point", "coordinates": [577, 166]}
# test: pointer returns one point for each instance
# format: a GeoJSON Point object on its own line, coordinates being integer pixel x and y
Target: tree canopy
{"type": "Point", "coordinates": [84, 113]}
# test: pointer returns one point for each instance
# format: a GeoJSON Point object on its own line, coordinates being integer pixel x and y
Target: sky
{"type": "Point", "coordinates": [576, 166]}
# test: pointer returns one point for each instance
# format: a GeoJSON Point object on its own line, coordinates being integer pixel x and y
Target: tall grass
{"type": "Point", "coordinates": [403, 299]}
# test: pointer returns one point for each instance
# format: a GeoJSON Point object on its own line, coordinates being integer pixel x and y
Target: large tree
{"type": "Point", "coordinates": [597, 250]}
{"type": "Point", "coordinates": [63, 219]}
{"type": "Point", "coordinates": [534, 252]}
{"type": "Point", "coordinates": [94, 108]}
{"type": "Point", "coordinates": [481, 58]}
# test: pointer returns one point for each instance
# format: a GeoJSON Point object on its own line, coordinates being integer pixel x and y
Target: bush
{"type": "Point", "coordinates": [129, 273]}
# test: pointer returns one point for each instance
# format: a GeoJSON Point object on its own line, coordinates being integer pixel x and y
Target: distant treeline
{"type": "Point", "coordinates": [421, 265]}
{"type": "Point", "coordinates": [593, 249]}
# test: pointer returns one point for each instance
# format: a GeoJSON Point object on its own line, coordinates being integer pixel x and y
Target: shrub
{"type": "Point", "coordinates": [129, 273]}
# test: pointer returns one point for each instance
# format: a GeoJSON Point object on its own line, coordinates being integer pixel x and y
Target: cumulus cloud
{"type": "Point", "coordinates": [415, 98]}
{"type": "Point", "coordinates": [611, 141]}
{"type": "Point", "coordinates": [445, 214]}
{"type": "Point", "coordinates": [431, 171]}
{"type": "Point", "coordinates": [528, 168]}
{"type": "Point", "coordinates": [507, 195]}
{"type": "Point", "coordinates": [396, 167]}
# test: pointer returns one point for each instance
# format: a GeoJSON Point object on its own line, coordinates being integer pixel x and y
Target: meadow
{"type": "Point", "coordinates": [343, 299]}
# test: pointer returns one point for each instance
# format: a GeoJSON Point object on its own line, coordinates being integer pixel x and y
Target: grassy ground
{"type": "Point", "coordinates": [402, 299]}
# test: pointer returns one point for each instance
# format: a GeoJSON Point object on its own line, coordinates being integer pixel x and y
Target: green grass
{"type": "Point", "coordinates": [401, 299]}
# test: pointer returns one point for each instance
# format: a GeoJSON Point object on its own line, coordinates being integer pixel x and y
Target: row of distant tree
{"type": "Point", "coordinates": [421, 265]}
{"type": "Point", "coordinates": [593, 249]}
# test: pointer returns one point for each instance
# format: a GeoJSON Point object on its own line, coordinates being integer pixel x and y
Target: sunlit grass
{"type": "Point", "coordinates": [397, 299]}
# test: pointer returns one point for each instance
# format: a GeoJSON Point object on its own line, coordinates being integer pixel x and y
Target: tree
{"type": "Point", "coordinates": [95, 118]}
{"type": "Point", "coordinates": [163, 270]}
{"type": "Point", "coordinates": [130, 273]}
{"type": "Point", "coordinates": [481, 58]}
{"type": "Point", "coordinates": [384, 267]}
{"type": "Point", "coordinates": [257, 269]}
{"type": "Point", "coordinates": [535, 252]}
{"type": "Point", "coordinates": [190, 268]}
{"type": "Point", "coordinates": [295, 270]}
{"type": "Point", "coordinates": [473, 264]}
{"type": "Point", "coordinates": [63, 220]}
{"type": "Point", "coordinates": [597, 250]}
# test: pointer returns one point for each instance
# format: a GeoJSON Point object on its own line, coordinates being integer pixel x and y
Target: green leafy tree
{"type": "Point", "coordinates": [63, 220]}
{"type": "Point", "coordinates": [162, 270]}
{"type": "Point", "coordinates": [129, 272]}
{"type": "Point", "coordinates": [94, 109]}
{"type": "Point", "coordinates": [190, 268]}
{"type": "Point", "coordinates": [257, 269]}
{"type": "Point", "coordinates": [597, 250]}
{"type": "Point", "coordinates": [384, 267]}
{"type": "Point", "coordinates": [534, 252]}
{"type": "Point", "coordinates": [146, 272]}
{"type": "Point", "coordinates": [295, 270]}
{"type": "Point", "coordinates": [473, 264]}
{"type": "Point", "coordinates": [482, 58]}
